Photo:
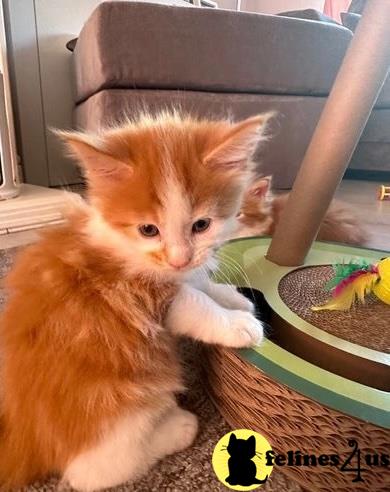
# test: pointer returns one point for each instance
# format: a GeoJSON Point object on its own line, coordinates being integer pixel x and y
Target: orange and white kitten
{"type": "Point", "coordinates": [89, 367]}
{"type": "Point", "coordinates": [261, 209]}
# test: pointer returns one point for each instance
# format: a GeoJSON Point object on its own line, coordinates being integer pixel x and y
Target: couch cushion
{"type": "Point", "coordinates": [139, 45]}
{"type": "Point", "coordinates": [280, 156]}
{"type": "Point", "coordinates": [309, 14]}
{"type": "Point", "coordinates": [350, 21]}
{"type": "Point", "coordinates": [290, 131]}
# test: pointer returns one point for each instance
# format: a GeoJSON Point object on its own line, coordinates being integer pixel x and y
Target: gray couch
{"type": "Point", "coordinates": [132, 56]}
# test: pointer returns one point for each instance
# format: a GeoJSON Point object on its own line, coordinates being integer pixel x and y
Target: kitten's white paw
{"type": "Point", "coordinates": [243, 304]}
{"type": "Point", "coordinates": [184, 430]}
{"type": "Point", "coordinates": [82, 481]}
{"type": "Point", "coordinates": [228, 297]}
{"type": "Point", "coordinates": [243, 330]}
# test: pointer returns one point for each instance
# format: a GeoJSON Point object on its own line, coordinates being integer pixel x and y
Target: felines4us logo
{"type": "Point", "coordinates": [244, 460]}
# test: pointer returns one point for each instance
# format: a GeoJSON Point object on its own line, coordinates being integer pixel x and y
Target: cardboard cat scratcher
{"type": "Point", "coordinates": [321, 378]}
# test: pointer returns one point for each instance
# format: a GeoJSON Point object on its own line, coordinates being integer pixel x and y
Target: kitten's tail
{"type": "Point", "coordinates": [256, 480]}
{"type": "Point", "coordinates": [341, 224]}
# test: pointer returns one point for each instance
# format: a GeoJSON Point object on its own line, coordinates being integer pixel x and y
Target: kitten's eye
{"type": "Point", "coordinates": [148, 230]}
{"type": "Point", "coordinates": [200, 225]}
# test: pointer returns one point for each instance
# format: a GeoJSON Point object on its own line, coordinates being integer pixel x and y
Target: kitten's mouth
{"type": "Point", "coordinates": [183, 269]}
{"type": "Point", "coordinates": [187, 268]}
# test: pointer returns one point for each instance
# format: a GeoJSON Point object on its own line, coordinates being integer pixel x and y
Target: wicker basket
{"type": "Point", "coordinates": [249, 398]}
{"type": "Point", "coordinates": [313, 385]}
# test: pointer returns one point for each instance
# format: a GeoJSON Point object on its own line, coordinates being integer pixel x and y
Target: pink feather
{"type": "Point", "coordinates": [347, 281]}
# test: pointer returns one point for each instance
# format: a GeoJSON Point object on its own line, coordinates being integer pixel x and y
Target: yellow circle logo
{"type": "Point", "coordinates": [239, 460]}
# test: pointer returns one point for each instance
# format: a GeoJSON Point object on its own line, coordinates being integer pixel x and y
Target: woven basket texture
{"type": "Point", "coordinates": [249, 398]}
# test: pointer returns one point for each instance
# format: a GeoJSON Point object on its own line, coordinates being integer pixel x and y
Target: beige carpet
{"type": "Point", "coordinates": [189, 471]}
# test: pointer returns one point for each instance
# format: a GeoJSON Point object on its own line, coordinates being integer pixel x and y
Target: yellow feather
{"type": "Point", "coordinates": [359, 288]}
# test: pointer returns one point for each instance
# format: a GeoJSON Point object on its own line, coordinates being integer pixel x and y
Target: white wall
{"type": "Point", "coordinates": [272, 6]}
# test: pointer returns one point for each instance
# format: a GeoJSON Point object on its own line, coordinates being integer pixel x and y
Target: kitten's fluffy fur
{"type": "Point", "coordinates": [89, 367]}
{"type": "Point", "coordinates": [261, 209]}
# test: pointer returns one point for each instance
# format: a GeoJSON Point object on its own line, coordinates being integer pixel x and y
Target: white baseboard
{"type": "Point", "coordinates": [35, 207]}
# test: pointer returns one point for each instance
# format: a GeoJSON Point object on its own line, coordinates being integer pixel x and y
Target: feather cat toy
{"type": "Point", "coordinates": [355, 280]}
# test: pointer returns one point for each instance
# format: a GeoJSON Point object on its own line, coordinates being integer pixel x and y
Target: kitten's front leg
{"type": "Point", "coordinates": [195, 314]}
{"type": "Point", "coordinates": [227, 295]}
{"type": "Point", "coordinates": [223, 294]}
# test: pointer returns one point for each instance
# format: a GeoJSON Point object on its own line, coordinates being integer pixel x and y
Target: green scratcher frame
{"type": "Point", "coordinates": [309, 359]}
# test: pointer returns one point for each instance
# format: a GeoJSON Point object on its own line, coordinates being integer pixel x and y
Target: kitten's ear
{"type": "Point", "coordinates": [232, 438]}
{"type": "Point", "coordinates": [239, 142]}
{"type": "Point", "coordinates": [252, 442]}
{"type": "Point", "coordinates": [97, 163]}
{"type": "Point", "coordinates": [260, 187]}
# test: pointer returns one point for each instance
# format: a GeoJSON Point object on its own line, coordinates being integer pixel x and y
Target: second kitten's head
{"type": "Point", "coordinates": [165, 190]}
{"type": "Point", "coordinates": [256, 215]}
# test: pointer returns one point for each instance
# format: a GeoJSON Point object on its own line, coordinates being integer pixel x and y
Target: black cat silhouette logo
{"type": "Point", "coordinates": [239, 460]}
{"type": "Point", "coordinates": [242, 470]}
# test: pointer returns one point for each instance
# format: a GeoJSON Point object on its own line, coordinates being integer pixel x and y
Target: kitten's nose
{"type": "Point", "coordinates": [179, 262]}
{"type": "Point", "coordinates": [179, 257]}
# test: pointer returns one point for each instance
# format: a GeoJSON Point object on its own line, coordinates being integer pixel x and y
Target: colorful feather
{"type": "Point", "coordinates": [352, 281]}
{"type": "Point", "coordinates": [344, 270]}
{"type": "Point", "coordinates": [358, 288]}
